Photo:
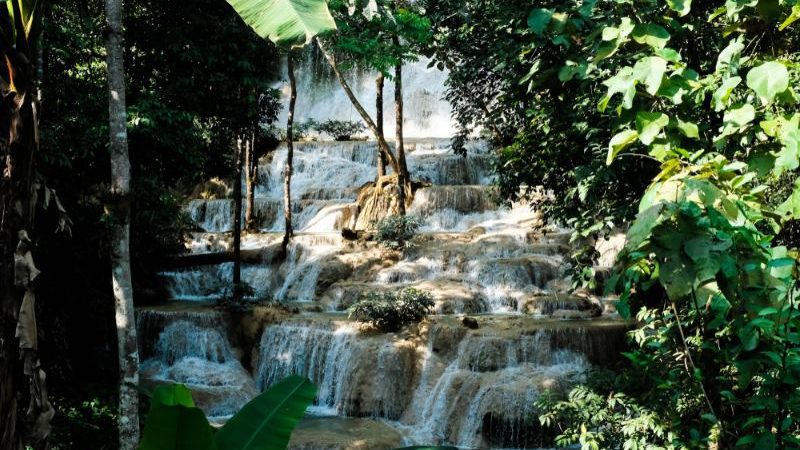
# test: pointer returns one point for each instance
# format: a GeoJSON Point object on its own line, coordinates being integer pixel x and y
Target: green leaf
{"type": "Point", "coordinates": [651, 34]}
{"type": "Point", "coordinates": [728, 59]}
{"type": "Point", "coordinates": [539, 19]}
{"type": "Point", "coordinates": [739, 116]}
{"type": "Point", "coordinates": [793, 17]}
{"type": "Point", "coordinates": [173, 395]}
{"type": "Point", "coordinates": [620, 142]}
{"type": "Point", "coordinates": [790, 209]}
{"type": "Point", "coordinates": [722, 95]}
{"type": "Point", "coordinates": [682, 7]}
{"type": "Point", "coordinates": [172, 425]}
{"type": "Point", "coordinates": [768, 80]}
{"type": "Point", "coordinates": [267, 421]}
{"type": "Point", "coordinates": [286, 22]}
{"type": "Point", "coordinates": [643, 225]}
{"type": "Point", "coordinates": [650, 71]}
{"type": "Point", "coordinates": [624, 82]}
{"type": "Point", "coordinates": [788, 158]}
{"type": "Point", "coordinates": [689, 129]}
{"type": "Point", "coordinates": [649, 125]}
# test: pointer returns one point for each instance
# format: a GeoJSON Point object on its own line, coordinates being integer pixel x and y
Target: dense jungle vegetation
{"type": "Point", "coordinates": [675, 122]}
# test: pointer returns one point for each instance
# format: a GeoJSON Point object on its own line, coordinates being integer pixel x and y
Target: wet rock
{"type": "Point", "coordinates": [332, 270]}
{"type": "Point", "coordinates": [335, 433]}
{"type": "Point", "coordinates": [470, 322]}
{"type": "Point", "coordinates": [349, 234]}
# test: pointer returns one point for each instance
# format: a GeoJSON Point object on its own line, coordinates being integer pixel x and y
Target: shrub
{"type": "Point", "coordinates": [341, 130]}
{"type": "Point", "coordinates": [390, 311]}
{"type": "Point", "coordinates": [395, 232]}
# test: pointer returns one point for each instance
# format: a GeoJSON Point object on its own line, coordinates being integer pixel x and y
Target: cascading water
{"type": "Point", "coordinates": [321, 98]}
{"type": "Point", "coordinates": [437, 382]}
{"type": "Point", "coordinates": [193, 349]}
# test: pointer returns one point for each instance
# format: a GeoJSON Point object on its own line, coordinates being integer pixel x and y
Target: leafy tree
{"type": "Point", "coordinates": [711, 107]}
{"type": "Point", "coordinates": [382, 36]}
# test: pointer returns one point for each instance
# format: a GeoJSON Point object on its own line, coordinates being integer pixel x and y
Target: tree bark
{"type": "Point", "coordinates": [382, 145]}
{"type": "Point", "coordinates": [379, 81]}
{"type": "Point", "coordinates": [287, 171]}
{"type": "Point", "coordinates": [250, 181]}
{"type": "Point", "coordinates": [120, 247]}
{"type": "Point", "coordinates": [237, 216]}
{"type": "Point", "coordinates": [402, 175]}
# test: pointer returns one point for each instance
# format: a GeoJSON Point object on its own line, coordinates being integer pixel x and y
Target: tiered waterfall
{"type": "Point", "coordinates": [436, 382]}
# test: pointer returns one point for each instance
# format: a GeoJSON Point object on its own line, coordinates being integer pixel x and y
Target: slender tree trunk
{"type": "Point", "coordinates": [237, 217]}
{"type": "Point", "coordinates": [384, 147]}
{"type": "Point", "coordinates": [120, 246]}
{"type": "Point", "coordinates": [402, 176]}
{"type": "Point", "coordinates": [287, 171]}
{"type": "Point", "coordinates": [379, 121]}
{"type": "Point", "coordinates": [249, 164]}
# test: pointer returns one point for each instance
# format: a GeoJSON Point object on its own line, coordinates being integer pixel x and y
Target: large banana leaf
{"type": "Point", "coordinates": [286, 22]}
{"type": "Point", "coordinates": [267, 422]}
{"type": "Point", "coordinates": [174, 423]}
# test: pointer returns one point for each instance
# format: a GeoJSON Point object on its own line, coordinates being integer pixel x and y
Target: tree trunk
{"type": "Point", "coordinates": [287, 171]}
{"type": "Point", "coordinates": [382, 145]}
{"type": "Point", "coordinates": [402, 175]}
{"type": "Point", "coordinates": [379, 121]}
{"type": "Point", "coordinates": [120, 246]}
{"type": "Point", "coordinates": [250, 181]}
{"type": "Point", "coordinates": [237, 217]}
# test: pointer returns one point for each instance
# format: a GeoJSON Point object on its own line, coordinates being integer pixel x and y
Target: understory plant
{"type": "Point", "coordinates": [396, 232]}
{"type": "Point", "coordinates": [341, 130]}
{"type": "Point", "coordinates": [390, 311]}
{"type": "Point", "coordinates": [265, 423]}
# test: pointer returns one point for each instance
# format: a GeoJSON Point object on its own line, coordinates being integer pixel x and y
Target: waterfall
{"type": "Point", "coordinates": [320, 97]}
{"type": "Point", "coordinates": [193, 349]}
{"type": "Point", "coordinates": [437, 382]}
{"type": "Point", "coordinates": [457, 386]}
{"type": "Point", "coordinates": [355, 376]}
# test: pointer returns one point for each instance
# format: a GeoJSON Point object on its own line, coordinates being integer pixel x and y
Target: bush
{"type": "Point", "coordinates": [390, 311]}
{"type": "Point", "coordinates": [395, 232]}
{"type": "Point", "coordinates": [341, 130]}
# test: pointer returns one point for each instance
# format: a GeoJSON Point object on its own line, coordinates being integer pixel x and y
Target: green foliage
{"type": "Point", "coordinates": [367, 29]}
{"type": "Point", "coordinates": [286, 22]}
{"type": "Point", "coordinates": [390, 311]}
{"type": "Point", "coordinates": [341, 130]}
{"type": "Point", "coordinates": [264, 423]}
{"type": "Point", "coordinates": [396, 232]}
{"type": "Point", "coordinates": [84, 424]}
{"type": "Point", "coordinates": [602, 421]}
{"type": "Point", "coordinates": [713, 294]}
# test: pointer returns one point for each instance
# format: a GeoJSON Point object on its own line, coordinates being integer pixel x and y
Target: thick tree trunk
{"type": "Point", "coordinates": [120, 246]}
{"type": "Point", "coordinates": [237, 217]}
{"type": "Point", "coordinates": [379, 81]}
{"type": "Point", "coordinates": [382, 145]}
{"type": "Point", "coordinates": [287, 171]}
{"type": "Point", "coordinates": [402, 175]}
{"type": "Point", "coordinates": [250, 181]}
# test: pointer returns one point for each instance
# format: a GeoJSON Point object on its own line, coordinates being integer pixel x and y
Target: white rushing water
{"type": "Point", "coordinates": [320, 97]}
{"type": "Point", "coordinates": [439, 382]}
{"type": "Point", "coordinates": [199, 356]}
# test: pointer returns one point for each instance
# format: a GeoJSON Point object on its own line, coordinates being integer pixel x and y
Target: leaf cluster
{"type": "Point", "coordinates": [390, 311]}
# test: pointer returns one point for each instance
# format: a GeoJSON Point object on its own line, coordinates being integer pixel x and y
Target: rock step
{"type": "Point", "coordinates": [344, 433]}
